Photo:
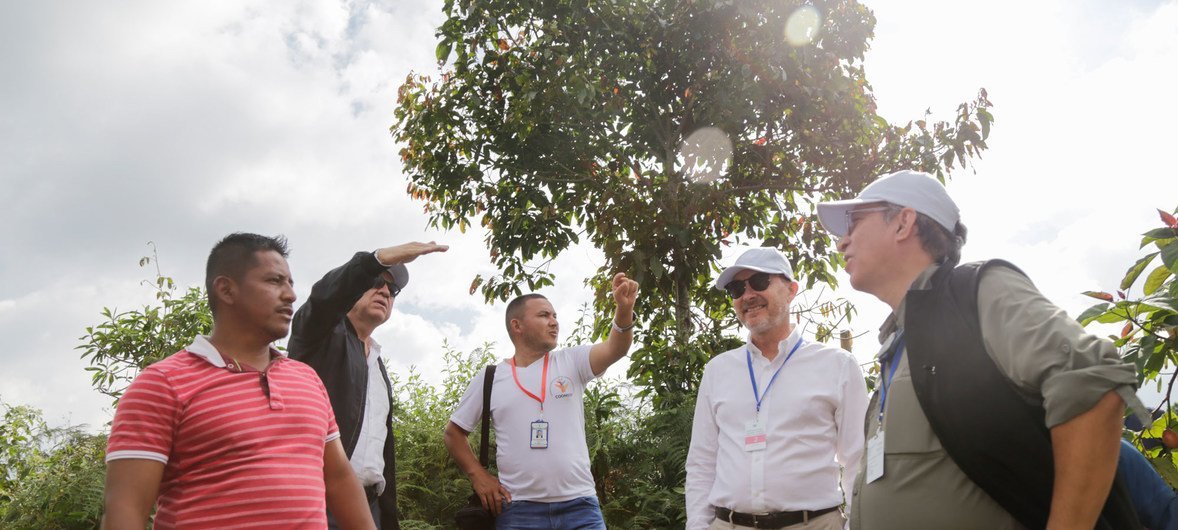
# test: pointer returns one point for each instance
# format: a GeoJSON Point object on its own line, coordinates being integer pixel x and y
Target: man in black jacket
{"type": "Point", "coordinates": [332, 332]}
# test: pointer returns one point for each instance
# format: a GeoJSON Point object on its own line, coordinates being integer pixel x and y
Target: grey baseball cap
{"type": "Point", "coordinates": [400, 275]}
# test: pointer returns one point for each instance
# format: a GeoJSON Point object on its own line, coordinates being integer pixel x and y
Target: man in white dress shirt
{"type": "Point", "coordinates": [778, 428]}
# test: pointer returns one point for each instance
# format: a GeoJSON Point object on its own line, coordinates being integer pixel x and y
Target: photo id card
{"type": "Point", "coordinates": [539, 437]}
{"type": "Point", "coordinates": [754, 437]}
{"type": "Point", "coordinates": [875, 457]}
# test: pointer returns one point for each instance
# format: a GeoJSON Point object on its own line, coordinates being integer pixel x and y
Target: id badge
{"type": "Point", "coordinates": [539, 437]}
{"type": "Point", "coordinates": [875, 457]}
{"type": "Point", "coordinates": [754, 437]}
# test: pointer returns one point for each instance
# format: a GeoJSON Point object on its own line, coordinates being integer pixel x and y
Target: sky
{"type": "Point", "coordinates": [128, 122]}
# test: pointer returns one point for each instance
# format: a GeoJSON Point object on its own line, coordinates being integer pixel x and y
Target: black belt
{"type": "Point", "coordinates": [770, 520]}
{"type": "Point", "coordinates": [370, 492]}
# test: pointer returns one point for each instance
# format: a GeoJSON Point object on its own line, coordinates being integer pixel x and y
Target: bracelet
{"type": "Point", "coordinates": [620, 329]}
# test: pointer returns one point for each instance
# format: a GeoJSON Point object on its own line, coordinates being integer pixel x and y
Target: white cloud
{"type": "Point", "coordinates": [139, 121]}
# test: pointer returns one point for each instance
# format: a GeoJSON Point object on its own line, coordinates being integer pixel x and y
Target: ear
{"type": "Point", "coordinates": [905, 225]}
{"type": "Point", "coordinates": [225, 289]}
{"type": "Point", "coordinates": [791, 288]}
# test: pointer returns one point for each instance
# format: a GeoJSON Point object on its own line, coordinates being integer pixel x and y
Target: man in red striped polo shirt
{"type": "Point", "coordinates": [228, 432]}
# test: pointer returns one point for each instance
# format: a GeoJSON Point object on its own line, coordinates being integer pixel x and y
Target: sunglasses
{"type": "Point", "coordinates": [854, 216]}
{"type": "Point", "coordinates": [759, 282]}
{"type": "Point", "coordinates": [381, 282]}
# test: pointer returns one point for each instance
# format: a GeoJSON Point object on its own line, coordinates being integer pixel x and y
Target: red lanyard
{"type": "Point", "coordinates": [543, 381]}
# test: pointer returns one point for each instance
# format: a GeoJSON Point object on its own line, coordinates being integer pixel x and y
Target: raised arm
{"type": "Point", "coordinates": [617, 344]}
{"type": "Point", "coordinates": [331, 298]}
{"type": "Point", "coordinates": [335, 294]}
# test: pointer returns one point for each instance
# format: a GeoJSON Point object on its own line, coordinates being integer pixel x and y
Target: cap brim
{"type": "Point", "coordinates": [728, 273]}
{"type": "Point", "coordinates": [833, 215]}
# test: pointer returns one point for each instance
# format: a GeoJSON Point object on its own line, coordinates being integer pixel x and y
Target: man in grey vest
{"type": "Point", "coordinates": [994, 409]}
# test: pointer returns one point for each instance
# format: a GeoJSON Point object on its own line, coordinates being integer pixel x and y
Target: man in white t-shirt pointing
{"type": "Point", "coordinates": [538, 415]}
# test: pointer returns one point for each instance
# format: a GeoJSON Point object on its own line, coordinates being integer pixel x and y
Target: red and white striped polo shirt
{"type": "Point", "coordinates": [241, 448]}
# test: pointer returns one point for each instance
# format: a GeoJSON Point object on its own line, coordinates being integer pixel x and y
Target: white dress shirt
{"type": "Point", "coordinates": [812, 417]}
{"type": "Point", "coordinates": [368, 457]}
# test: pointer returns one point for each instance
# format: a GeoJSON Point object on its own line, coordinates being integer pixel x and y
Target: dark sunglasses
{"type": "Point", "coordinates": [380, 282]}
{"type": "Point", "coordinates": [759, 282]}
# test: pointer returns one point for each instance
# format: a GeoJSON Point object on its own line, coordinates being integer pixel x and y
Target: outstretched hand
{"type": "Point", "coordinates": [406, 252]}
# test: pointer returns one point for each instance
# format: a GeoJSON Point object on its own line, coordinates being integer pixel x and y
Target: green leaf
{"type": "Point", "coordinates": [1170, 257]}
{"type": "Point", "coordinates": [1156, 279]}
{"type": "Point", "coordinates": [443, 50]}
{"type": "Point", "coordinates": [1135, 271]}
{"type": "Point", "coordinates": [1091, 313]}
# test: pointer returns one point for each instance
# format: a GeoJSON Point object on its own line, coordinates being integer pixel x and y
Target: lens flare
{"type": "Point", "coordinates": [801, 28]}
{"type": "Point", "coordinates": [706, 154]}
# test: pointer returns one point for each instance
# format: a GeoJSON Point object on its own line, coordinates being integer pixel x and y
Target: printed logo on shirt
{"type": "Point", "coordinates": [562, 387]}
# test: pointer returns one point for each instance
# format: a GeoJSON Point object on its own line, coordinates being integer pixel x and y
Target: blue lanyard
{"type": "Point", "coordinates": [749, 358]}
{"type": "Point", "coordinates": [893, 359]}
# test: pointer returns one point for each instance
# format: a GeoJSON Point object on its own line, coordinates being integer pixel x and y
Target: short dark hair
{"type": "Point", "coordinates": [516, 306]}
{"type": "Point", "coordinates": [941, 245]}
{"type": "Point", "coordinates": [236, 253]}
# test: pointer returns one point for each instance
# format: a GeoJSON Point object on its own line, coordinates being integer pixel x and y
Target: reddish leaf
{"type": "Point", "coordinates": [503, 44]}
{"type": "Point", "coordinates": [1099, 295]}
{"type": "Point", "coordinates": [760, 141]}
{"type": "Point", "coordinates": [1128, 328]}
{"type": "Point", "coordinates": [1168, 219]}
{"type": "Point", "coordinates": [687, 93]}
{"type": "Point", "coordinates": [1121, 294]}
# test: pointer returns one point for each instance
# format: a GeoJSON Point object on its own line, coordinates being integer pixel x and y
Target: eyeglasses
{"type": "Point", "coordinates": [854, 216]}
{"type": "Point", "coordinates": [759, 282]}
{"type": "Point", "coordinates": [381, 282]}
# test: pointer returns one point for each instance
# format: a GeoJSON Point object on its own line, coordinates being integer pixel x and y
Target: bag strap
{"type": "Point", "coordinates": [484, 442]}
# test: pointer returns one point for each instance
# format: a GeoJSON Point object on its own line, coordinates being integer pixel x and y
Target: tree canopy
{"type": "Point", "coordinates": [656, 131]}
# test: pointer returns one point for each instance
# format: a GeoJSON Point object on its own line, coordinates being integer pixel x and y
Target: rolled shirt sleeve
{"type": "Point", "coordinates": [1045, 352]}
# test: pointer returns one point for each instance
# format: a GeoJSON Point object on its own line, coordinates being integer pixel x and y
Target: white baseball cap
{"type": "Point", "coordinates": [911, 189]}
{"type": "Point", "coordinates": [762, 259]}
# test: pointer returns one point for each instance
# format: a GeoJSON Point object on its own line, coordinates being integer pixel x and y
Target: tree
{"type": "Point", "coordinates": [656, 131]}
{"type": "Point", "coordinates": [126, 342]}
{"type": "Point", "coordinates": [50, 478]}
{"type": "Point", "coordinates": [1149, 337]}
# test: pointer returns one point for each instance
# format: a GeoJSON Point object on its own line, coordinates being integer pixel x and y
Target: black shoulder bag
{"type": "Point", "coordinates": [473, 516]}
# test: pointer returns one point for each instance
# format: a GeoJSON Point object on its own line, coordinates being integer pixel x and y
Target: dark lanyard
{"type": "Point", "coordinates": [893, 360]}
{"type": "Point", "coordinates": [543, 382]}
{"type": "Point", "coordinates": [749, 358]}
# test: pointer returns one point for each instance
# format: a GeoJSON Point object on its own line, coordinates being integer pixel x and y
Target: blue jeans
{"type": "Point", "coordinates": [582, 513]}
{"type": "Point", "coordinates": [1155, 502]}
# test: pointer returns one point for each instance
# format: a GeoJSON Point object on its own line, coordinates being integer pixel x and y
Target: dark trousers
{"type": "Point", "coordinates": [373, 505]}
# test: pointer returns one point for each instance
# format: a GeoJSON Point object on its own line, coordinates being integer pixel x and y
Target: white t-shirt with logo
{"type": "Point", "coordinates": [560, 472]}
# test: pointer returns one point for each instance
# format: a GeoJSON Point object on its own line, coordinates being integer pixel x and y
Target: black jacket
{"type": "Point", "coordinates": [997, 438]}
{"type": "Point", "coordinates": [323, 337]}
